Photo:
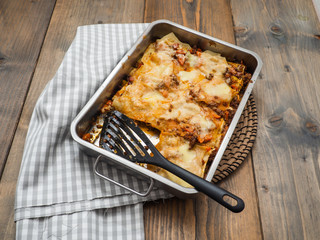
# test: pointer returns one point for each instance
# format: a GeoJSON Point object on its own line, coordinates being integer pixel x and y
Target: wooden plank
{"type": "Point", "coordinates": [186, 12]}
{"type": "Point", "coordinates": [316, 4]}
{"type": "Point", "coordinates": [23, 28]}
{"type": "Point", "coordinates": [67, 16]}
{"type": "Point", "coordinates": [170, 219]}
{"type": "Point", "coordinates": [202, 218]}
{"type": "Point", "coordinates": [286, 158]}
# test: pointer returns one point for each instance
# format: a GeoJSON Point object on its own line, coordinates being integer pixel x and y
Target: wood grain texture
{"type": "Point", "coordinates": [316, 4]}
{"type": "Point", "coordinates": [186, 12]}
{"type": "Point", "coordinates": [23, 28]}
{"type": "Point", "coordinates": [202, 218]}
{"type": "Point", "coordinates": [286, 156]}
{"type": "Point", "coordinates": [170, 219]}
{"type": "Point", "coordinates": [67, 16]}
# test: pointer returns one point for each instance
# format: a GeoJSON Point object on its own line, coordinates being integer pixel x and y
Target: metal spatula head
{"type": "Point", "coordinates": [122, 136]}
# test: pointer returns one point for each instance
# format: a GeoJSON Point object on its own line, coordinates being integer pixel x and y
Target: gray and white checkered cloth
{"type": "Point", "coordinates": [58, 195]}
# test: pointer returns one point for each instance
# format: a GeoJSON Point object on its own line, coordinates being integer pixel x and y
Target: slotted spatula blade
{"type": "Point", "coordinates": [122, 136]}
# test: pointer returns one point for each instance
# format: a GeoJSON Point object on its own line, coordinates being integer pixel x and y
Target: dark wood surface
{"type": "Point", "coordinates": [23, 25]}
{"type": "Point", "coordinates": [286, 154]}
{"type": "Point", "coordinates": [280, 180]}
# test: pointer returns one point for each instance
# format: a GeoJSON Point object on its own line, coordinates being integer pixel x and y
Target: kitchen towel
{"type": "Point", "coordinates": [58, 196]}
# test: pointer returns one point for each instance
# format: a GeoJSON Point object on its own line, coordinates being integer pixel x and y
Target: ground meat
{"type": "Point", "coordinates": [212, 155]}
{"type": "Point", "coordinates": [234, 102]}
{"type": "Point", "coordinates": [168, 83]}
{"type": "Point", "coordinates": [193, 94]}
{"type": "Point", "coordinates": [189, 133]}
{"type": "Point", "coordinates": [246, 78]}
{"type": "Point", "coordinates": [219, 112]}
{"type": "Point", "coordinates": [181, 58]}
{"type": "Point", "coordinates": [175, 46]}
{"type": "Point", "coordinates": [210, 159]}
{"type": "Point", "coordinates": [130, 79]}
{"type": "Point", "coordinates": [160, 86]}
{"type": "Point", "coordinates": [231, 113]}
{"type": "Point", "coordinates": [193, 50]}
{"type": "Point", "coordinates": [139, 64]}
{"type": "Point", "coordinates": [174, 80]}
{"type": "Point", "coordinates": [209, 76]}
{"type": "Point", "coordinates": [192, 138]}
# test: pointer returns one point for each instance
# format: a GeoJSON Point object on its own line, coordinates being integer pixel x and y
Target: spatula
{"type": "Point", "coordinates": [122, 136]}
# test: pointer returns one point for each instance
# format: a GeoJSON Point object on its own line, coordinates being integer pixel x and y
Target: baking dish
{"type": "Point", "coordinates": [155, 31]}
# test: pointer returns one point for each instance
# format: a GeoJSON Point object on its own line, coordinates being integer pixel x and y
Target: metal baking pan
{"type": "Point", "coordinates": [154, 31]}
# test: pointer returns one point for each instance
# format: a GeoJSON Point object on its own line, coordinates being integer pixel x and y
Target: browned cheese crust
{"type": "Point", "coordinates": [189, 95]}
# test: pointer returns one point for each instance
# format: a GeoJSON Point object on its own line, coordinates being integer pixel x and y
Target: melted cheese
{"type": "Point", "coordinates": [181, 110]}
{"type": "Point", "coordinates": [221, 91]}
{"type": "Point", "coordinates": [178, 151]}
{"type": "Point", "coordinates": [153, 98]}
{"type": "Point", "coordinates": [188, 156]}
{"type": "Point", "coordinates": [205, 124]}
{"type": "Point", "coordinates": [193, 60]}
{"type": "Point", "coordinates": [193, 76]}
{"type": "Point", "coordinates": [213, 63]}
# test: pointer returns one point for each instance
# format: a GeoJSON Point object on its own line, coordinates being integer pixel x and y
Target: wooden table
{"type": "Point", "coordinates": [279, 181]}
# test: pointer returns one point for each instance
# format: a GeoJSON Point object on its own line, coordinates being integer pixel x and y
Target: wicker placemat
{"type": "Point", "coordinates": [240, 143]}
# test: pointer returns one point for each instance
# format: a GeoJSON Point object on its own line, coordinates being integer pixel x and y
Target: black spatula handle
{"type": "Point", "coordinates": [216, 193]}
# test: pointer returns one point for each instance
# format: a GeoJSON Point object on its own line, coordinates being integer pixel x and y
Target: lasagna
{"type": "Point", "coordinates": [187, 95]}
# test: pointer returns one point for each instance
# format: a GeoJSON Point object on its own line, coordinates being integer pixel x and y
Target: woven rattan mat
{"type": "Point", "coordinates": [240, 143]}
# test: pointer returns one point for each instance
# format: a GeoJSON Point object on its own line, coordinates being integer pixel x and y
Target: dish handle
{"type": "Point", "coordinates": [143, 194]}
